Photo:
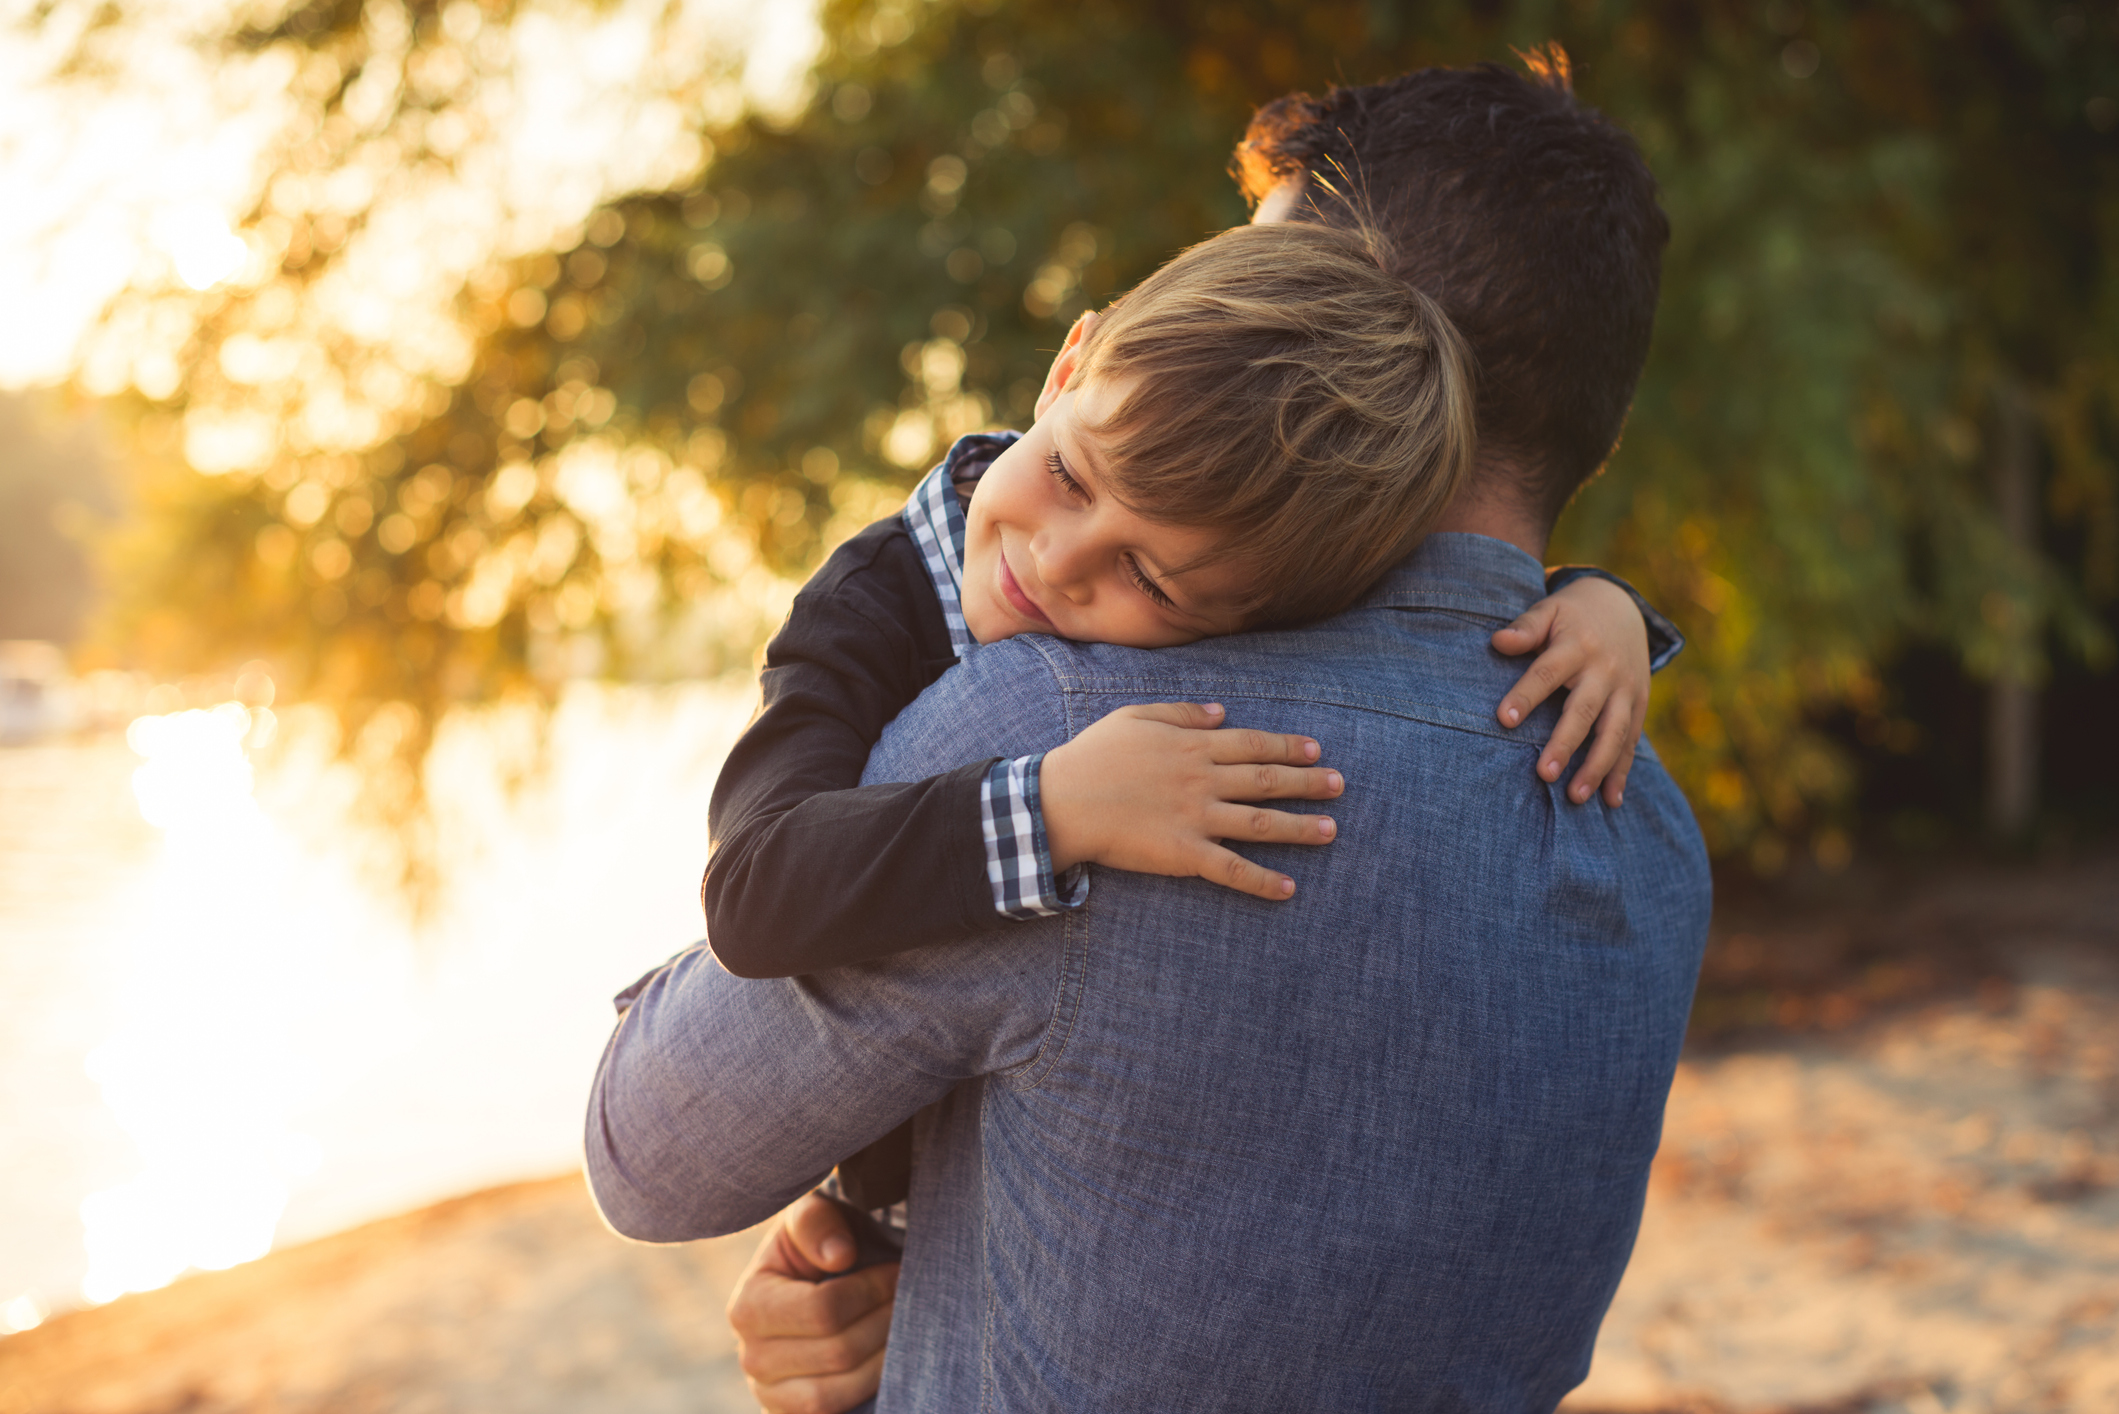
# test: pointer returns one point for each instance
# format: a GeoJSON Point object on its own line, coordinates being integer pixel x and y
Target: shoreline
{"type": "Point", "coordinates": [514, 1298]}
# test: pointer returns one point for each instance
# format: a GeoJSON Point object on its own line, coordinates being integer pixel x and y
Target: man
{"type": "Point", "coordinates": [1383, 1146]}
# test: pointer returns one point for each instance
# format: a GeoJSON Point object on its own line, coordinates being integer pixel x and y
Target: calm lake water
{"type": "Point", "coordinates": [220, 1035]}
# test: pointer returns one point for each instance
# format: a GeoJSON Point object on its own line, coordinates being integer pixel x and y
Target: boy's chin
{"type": "Point", "coordinates": [986, 626]}
{"type": "Point", "coordinates": [996, 635]}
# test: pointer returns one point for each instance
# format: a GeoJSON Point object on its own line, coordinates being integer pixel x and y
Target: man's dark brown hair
{"type": "Point", "coordinates": [1527, 215]}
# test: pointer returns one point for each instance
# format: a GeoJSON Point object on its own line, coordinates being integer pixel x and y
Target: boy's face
{"type": "Point", "coordinates": [1049, 549]}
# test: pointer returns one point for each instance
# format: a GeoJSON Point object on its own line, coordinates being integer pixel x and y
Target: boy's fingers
{"type": "Point", "coordinates": [1197, 716]}
{"type": "Point", "coordinates": [1261, 782]}
{"type": "Point", "coordinates": [1529, 630]}
{"type": "Point", "coordinates": [1547, 674]}
{"type": "Point", "coordinates": [1604, 754]}
{"type": "Point", "coordinates": [1232, 871]}
{"type": "Point", "coordinates": [1236, 746]}
{"type": "Point", "coordinates": [1258, 825]}
{"type": "Point", "coordinates": [1615, 783]}
{"type": "Point", "coordinates": [1583, 704]}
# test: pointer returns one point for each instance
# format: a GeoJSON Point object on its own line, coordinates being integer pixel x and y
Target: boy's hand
{"type": "Point", "coordinates": [1596, 646]}
{"type": "Point", "coordinates": [806, 1340]}
{"type": "Point", "coordinates": [1154, 789]}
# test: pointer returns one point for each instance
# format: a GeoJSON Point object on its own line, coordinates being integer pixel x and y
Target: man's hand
{"type": "Point", "coordinates": [811, 1346]}
{"type": "Point", "coordinates": [1156, 788]}
{"type": "Point", "coordinates": [1596, 646]}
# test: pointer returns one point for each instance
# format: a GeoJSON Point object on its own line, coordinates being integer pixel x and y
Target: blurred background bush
{"type": "Point", "coordinates": [423, 422]}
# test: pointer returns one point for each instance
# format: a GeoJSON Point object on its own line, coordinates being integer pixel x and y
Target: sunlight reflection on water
{"type": "Point", "coordinates": [284, 1055]}
{"type": "Point", "coordinates": [217, 1045]}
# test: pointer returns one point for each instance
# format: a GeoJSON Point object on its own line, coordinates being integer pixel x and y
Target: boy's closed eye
{"type": "Point", "coordinates": [1072, 485]}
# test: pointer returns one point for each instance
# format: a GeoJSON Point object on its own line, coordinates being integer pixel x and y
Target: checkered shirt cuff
{"type": "Point", "coordinates": [1017, 863]}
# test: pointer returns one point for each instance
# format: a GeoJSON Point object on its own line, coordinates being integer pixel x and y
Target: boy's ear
{"type": "Point", "coordinates": [1062, 371]}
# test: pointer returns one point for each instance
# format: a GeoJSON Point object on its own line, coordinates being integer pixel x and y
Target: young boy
{"type": "Point", "coordinates": [1249, 439]}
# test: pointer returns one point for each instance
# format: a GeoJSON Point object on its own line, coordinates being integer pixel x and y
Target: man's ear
{"type": "Point", "coordinates": [1062, 371]}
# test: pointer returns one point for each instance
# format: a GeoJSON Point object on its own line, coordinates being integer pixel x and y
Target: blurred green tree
{"type": "Point", "coordinates": [1886, 351]}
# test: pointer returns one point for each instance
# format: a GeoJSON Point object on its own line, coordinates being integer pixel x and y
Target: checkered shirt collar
{"type": "Point", "coordinates": [935, 515]}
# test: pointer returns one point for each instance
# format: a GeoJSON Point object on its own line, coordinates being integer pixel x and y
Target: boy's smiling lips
{"type": "Point", "coordinates": [1012, 591]}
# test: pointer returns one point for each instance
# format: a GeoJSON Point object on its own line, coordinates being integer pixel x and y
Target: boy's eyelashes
{"type": "Point", "coordinates": [1080, 492]}
{"type": "Point", "coordinates": [1065, 477]}
{"type": "Point", "coordinates": [1148, 586]}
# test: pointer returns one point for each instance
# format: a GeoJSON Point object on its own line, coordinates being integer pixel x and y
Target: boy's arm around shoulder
{"type": "Point", "coordinates": [808, 871]}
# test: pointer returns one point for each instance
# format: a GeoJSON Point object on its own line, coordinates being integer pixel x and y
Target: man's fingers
{"type": "Point", "coordinates": [818, 1230]}
{"type": "Point", "coordinates": [1277, 783]}
{"type": "Point", "coordinates": [1529, 630]}
{"type": "Point", "coordinates": [1547, 674]}
{"type": "Point", "coordinates": [1254, 824]}
{"type": "Point", "coordinates": [1199, 716]}
{"type": "Point", "coordinates": [819, 1394]}
{"type": "Point", "coordinates": [837, 1353]}
{"type": "Point", "coordinates": [769, 1306]}
{"type": "Point", "coordinates": [1232, 871]}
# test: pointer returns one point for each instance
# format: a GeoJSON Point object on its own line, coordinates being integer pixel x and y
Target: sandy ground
{"type": "Point", "coordinates": [512, 1301]}
{"type": "Point", "coordinates": [1889, 1185]}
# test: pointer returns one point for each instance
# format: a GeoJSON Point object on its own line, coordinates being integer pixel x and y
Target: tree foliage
{"type": "Point", "coordinates": [1888, 219]}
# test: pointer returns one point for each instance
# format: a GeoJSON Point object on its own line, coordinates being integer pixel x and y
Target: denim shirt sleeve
{"type": "Point", "coordinates": [719, 1100]}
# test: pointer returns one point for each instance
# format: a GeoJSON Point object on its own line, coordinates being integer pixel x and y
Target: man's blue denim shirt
{"type": "Point", "coordinates": [1382, 1146]}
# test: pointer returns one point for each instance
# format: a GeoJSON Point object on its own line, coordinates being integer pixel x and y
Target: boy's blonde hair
{"type": "Point", "coordinates": [1287, 391]}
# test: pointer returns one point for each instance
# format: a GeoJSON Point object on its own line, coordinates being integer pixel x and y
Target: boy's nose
{"type": "Point", "coordinates": [1063, 564]}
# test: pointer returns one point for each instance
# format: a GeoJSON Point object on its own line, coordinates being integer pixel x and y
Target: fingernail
{"type": "Point", "coordinates": [1327, 827]}
{"type": "Point", "coordinates": [1213, 709]}
{"type": "Point", "coordinates": [1334, 781]}
{"type": "Point", "coordinates": [836, 1252]}
{"type": "Point", "coordinates": [1309, 751]}
{"type": "Point", "coordinates": [1548, 769]}
{"type": "Point", "coordinates": [1287, 886]}
{"type": "Point", "coordinates": [1511, 715]}
{"type": "Point", "coordinates": [1618, 799]}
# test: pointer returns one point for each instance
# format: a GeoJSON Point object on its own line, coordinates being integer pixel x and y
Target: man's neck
{"type": "Point", "coordinates": [1485, 507]}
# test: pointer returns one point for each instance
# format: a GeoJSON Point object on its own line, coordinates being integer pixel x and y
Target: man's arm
{"type": "Point", "coordinates": [719, 1100]}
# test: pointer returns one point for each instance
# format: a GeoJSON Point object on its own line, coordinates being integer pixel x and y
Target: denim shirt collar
{"type": "Point", "coordinates": [1471, 573]}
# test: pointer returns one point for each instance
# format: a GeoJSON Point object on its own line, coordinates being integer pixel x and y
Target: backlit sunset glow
{"type": "Point", "coordinates": [214, 1053]}
{"type": "Point", "coordinates": [278, 1053]}
{"type": "Point", "coordinates": [158, 177]}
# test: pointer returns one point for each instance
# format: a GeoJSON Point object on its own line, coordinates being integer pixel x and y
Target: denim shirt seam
{"type": "Point", "coordinates": [1446, 718]}
{"type": "Point", "coordinates": [1066, 1011]}
{"type": "Point", "coordinates": [1414, 600]}
{"type": "Point", "coordinates": [1073, 960]}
